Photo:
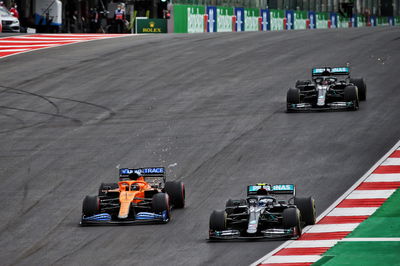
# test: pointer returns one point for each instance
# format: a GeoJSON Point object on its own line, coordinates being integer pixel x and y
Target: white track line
{"type": "Point", "coordinates": [13, 50]}
{"type": "Point", "coordinates": [383, 178]}
{"type": "Point", "coordinates": [326, 228]}
{"type": "Point", "coordinates": [294, 259]}
{"type": "Point", "coordinates": [270, 256]}
{"type": "Point", "coordinates": [370, 194]}
{"type": "Point", "coordinates": [312, 243]}
{"type": "Point", "coordinates": [352, 211]}
{"type": "Point", "coordinates": [391, 161]}
{"type": "Point", "coordinates": [108, 36]}
{"type": "Point", "coordinates": [25, 46]}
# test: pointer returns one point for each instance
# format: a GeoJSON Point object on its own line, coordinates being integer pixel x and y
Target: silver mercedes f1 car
{"type": "Point", "coordinates": [331, 88]}
{"type": "Point", "coordinates": [269, 211]}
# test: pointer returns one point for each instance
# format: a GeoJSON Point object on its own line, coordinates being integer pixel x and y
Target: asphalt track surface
{"type": "Point", "coordinates": [210, 106]}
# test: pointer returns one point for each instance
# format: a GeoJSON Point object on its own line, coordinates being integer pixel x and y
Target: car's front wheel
{"type": "Point", "coordinates": [91, 206]}
{"type": "Point", "coordinates": [218, 221]}
{"type": "Point", "coordinates": [291, 220]}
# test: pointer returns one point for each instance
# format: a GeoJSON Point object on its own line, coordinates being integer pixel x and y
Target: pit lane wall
{"type": "Point", "coordinates": [196, 19]}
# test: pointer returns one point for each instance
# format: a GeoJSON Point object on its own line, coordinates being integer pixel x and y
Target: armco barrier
{"type": "Point", "coordinates": [265, 20]}
{"type": "Point", "coordinates": [277, 19]}
{"type": "Point", "coordinates": [188, 19]}
{"type": "Point", "coordinates": [251, 16]}
{"type": "Point", "coordinates": [343, 22]}
{"type": "Point", "coordinates": [322, 20]}
{"type": "Point", "coordinates": [289, 15]}
{"type": "Point", "coordinates": [211, 19]}
{"type": "Point", "coordinates": [224, 19]}
{"type": "Point", "coordinates": [312, 16]}
{"type": "Point", "coordinates": [301, 21]}
{"type": "Point", "coordinates": [333, 17]}
{"type": "Point", "coordinates": [239, 14]}
{"type": "Point", "coordinates": [192, 19]}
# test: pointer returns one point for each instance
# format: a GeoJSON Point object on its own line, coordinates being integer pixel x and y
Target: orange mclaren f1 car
{"type": "Point", "coordinates": [141, 196]}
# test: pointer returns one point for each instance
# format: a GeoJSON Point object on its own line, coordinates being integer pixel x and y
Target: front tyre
{"type": "Point", "coordinates": [218, 221]}
{"type": "Point", "coordinates": [91, 206]}
{"type": "Point", "coordinates": [291, 220]}
{"type": "Point", "coordinates": [351, 95]}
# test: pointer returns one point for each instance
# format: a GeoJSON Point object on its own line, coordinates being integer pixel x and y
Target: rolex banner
{"type": "Point", "coordinates": [151, 26]}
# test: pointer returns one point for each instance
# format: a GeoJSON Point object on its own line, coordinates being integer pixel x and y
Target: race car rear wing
{"type": "Point", "coordinates": [155, 176]}
{"type": "Point", "coordinates": [271, 189]}
{"type": "Point", "coordinates": [330, 71]}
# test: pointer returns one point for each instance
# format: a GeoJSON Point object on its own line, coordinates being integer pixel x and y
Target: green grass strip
{"type": "Point", "coordinates": [385, 222]}
{"type": "Point", "coordinates": [362, 253]}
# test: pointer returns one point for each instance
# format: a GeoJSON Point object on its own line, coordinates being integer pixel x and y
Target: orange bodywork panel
{"type": "Point", "coordinates": [131, 191]}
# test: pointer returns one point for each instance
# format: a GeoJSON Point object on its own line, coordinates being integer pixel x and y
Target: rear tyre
{"type": "Point", "coordinates": [91, 206]}
{"type": "Point", "coordinates": [218, 221]}
{"type": "Point", "coordinates": [229, 206]}
{"type": "Point", "coordinates": [160, 203]}
{"type": "Point", "coordinates": [362, 88]}
{"type": "Point", "coordinates": [291, 219]}
{"type": "Point", "coordinates": [351, 95]}
{"type": "Point", "coordinates": [106, 186]}
{"type": "Point", "coordinates": [307, 209]}
{"type": "Point", "coordinates": [302, 83]}
{"type": "Point", "coordinates": [176, 192]}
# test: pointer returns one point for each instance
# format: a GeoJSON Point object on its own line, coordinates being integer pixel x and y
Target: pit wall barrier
{"type": "Point", "coordinates": [196, 19]}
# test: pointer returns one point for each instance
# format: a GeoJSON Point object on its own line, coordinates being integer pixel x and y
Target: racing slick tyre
{"type": "Point", "coordinates": [176, 192]}
{"type": "Point", "coordinates": [91, 206]}
{"type": "Point", "coordinates": [362, 88]}
{"type": "Point", "coordinates": [160, 203]}
{"type": "Point", "coordinates": [307, 209]}
{"type": "Point", "coordinates": [291, 219]}
{"type": "Point", "coordinates": [293, 96]}
{"type": "Point", "coordinates": [351, 95]}
{"type": "Point", "coordinates": [229, 206]}
{"type": "Point", "coordinates": [218, 221]}
{"type": "Point", "coordinates": [106, 186]}
{"type": "Point", "coordinates": [302, 83]}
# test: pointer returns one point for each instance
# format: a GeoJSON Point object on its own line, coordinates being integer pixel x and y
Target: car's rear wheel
{"type": "Point", "coordinates": [218, 221]}
{"type": "Point", "coordinates": [307, 209]}
{"type": "Point", "coordinates": [291, 220]}
{"type": "Point", "coordinates": [91, 206]}
{"type": "Point", "coordinates": [176, 191]}
{"type": "Point", "coordinates": [351, 95]}
{"type": "Point", "coordinates": [229, 206]}
{"type": "Point", "coordinates": [362, 88]}
{"type": "Point", "coordinates": [302, 83]}
{"type": "Point", "coordinates": [106, 186]}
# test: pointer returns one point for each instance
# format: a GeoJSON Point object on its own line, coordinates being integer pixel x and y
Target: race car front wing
{"type": "Point", "coordinates": [264, 234]}
{"type": "Point", "coordinates": [140, 218]}
{"type": "Point", "coordinates": [328, 106]}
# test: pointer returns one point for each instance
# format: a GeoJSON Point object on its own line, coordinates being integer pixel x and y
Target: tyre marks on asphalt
{"type": "Point", "coordinates": [22, 44]}
{"type": "Point", "coordinates": [13, 115]}
{"type": "Point", "coordinates": [361, 201]}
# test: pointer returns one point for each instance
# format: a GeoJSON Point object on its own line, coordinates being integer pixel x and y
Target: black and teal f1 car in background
{"type": "Point", "coordinates": [269, 211]}
{"type": "Point", "coordinates": [331, 88]}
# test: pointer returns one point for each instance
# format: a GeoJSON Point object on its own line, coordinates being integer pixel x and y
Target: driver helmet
{"type": "Point", "coordinates": [133, 176]}
{"type": "Point", "coordinates": [262, 191]}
